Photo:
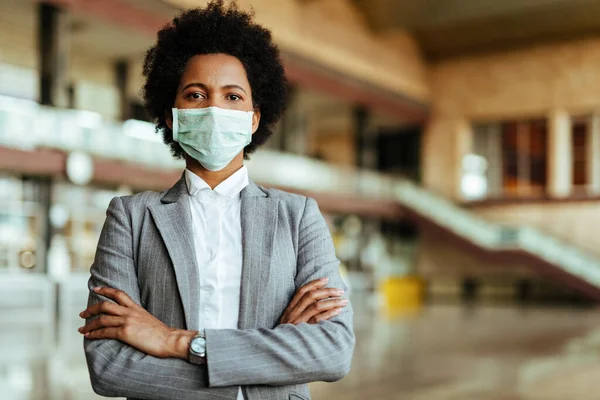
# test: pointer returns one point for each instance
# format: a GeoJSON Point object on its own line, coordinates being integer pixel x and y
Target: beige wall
{"type": "Point", "coordinates": [333, 33]}
{"type": "Point", "coordinates": [538, 81]}
{"type": "Point", "coordinates": [337, 149]}
{"type": "Point", "coordinates": [552, 81]}
{"type": "Point", "coordinates": [439, 259]}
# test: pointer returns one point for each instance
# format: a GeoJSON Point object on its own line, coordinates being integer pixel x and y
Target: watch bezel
{"type": "Point", "coordinates": [197, 340]}
{"type": "Point", "coordinates": [198, 357]}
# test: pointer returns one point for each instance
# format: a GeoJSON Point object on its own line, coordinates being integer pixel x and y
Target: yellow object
{"type": "Point", "coordinates": [402, 294]}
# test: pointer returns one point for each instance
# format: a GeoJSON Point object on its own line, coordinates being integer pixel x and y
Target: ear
{"type": "Point", "coordinates": [169, 118]}
{"type": "Point", "coordinates": [255, 120]}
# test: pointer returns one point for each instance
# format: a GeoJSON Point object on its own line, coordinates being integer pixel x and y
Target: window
{"type": "Point", "coordinates": [516, 155]}
{"type": "Point", "coordinates": [579, 129]}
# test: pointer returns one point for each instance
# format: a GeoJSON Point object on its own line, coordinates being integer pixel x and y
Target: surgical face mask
{"type": "Point", "coordinates": [212, 135]}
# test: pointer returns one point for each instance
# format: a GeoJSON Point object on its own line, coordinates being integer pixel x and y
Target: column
{"type": "Point", "coordinates": [495, 161]}
{"type": "Point", "coordinates": [366, 143]}
{"type": "Point", "coordinates": [560, 155]}
{"type": "Point", "coordinates": [53, 50]}
{"type": "Point", "coordinates": [121, 69]}
{"type": "Point", "coordinates": [593, 156]}
{"type": "Point", "coordinates": [294, 125]}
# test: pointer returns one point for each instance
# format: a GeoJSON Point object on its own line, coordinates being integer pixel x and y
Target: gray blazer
{"type": "Point", "coordinates": [146, 249]}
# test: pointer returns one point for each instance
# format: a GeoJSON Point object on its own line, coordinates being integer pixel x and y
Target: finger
{"type": "Point", "coordinates": [103, 333]}
{"type": "Point", "coordinates": [117, 295]}
{"type": "Point", "coordinates": [311, 298]}
{"type": "Point", "coordinates": [327, 315]}
{"type": "Point", "coordinates": [104, 321]}
{"type": "Point", "coordinates": [320, 307]}
{"type": "Point", "coordinates": [313, 285]}
{"type": "Point", "coordinates": [105, 307]}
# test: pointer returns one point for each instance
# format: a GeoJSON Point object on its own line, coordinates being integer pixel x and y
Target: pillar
{"type": "Point", "coordinates": [121, 69]}
{"type": "Point", "coordinates": [560, 155]}
{"type": "Point", "coordinates": [593, 156]}
{"type": "Point", "coordinates": [366, 143]}
{"type": "Point", "coordinates": [294, 125]}
{"type": "Point", "coordinates": [53, 50]}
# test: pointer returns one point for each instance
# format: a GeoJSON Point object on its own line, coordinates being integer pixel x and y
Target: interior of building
{"type": "Point", "coordinates": [453, 147]}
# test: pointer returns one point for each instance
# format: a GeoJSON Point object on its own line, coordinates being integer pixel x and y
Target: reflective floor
{"type": "Point", "coordinates": [443, 352]}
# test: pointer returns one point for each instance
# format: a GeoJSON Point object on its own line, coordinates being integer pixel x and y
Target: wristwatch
{"type": "Point", "coordinates": [198, 348]}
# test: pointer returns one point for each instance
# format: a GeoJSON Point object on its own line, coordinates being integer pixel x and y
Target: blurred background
{"type": "Point", "coordinates": [453, 146]}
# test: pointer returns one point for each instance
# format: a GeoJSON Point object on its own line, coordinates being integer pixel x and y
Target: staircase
{"type": "Point", "coordinates": [547, 254]}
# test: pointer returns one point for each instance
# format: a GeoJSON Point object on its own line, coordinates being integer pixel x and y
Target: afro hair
{"type": "Point", "coordinates": [216, 28]}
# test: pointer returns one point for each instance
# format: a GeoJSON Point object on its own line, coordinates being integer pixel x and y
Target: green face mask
{"type": "Point", "coordinates": [212, 135]}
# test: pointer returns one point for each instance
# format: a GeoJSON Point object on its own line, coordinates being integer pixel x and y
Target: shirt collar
{"type": "Point", "coordinates": [229, 188]}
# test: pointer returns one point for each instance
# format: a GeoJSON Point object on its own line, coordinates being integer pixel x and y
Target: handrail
{"type": "Point", "coordinates": [26, 124]}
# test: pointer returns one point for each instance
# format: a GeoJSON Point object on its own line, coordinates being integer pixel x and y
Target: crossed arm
{"type": "Point", "coordinates": [131, 353]}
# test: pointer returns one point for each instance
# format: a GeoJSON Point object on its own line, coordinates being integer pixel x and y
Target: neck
{"type": "Point", "coordinates": [214, 178]}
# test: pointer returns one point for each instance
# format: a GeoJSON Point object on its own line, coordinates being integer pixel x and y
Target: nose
{"type": "Point", "coordinates": [215, 101]}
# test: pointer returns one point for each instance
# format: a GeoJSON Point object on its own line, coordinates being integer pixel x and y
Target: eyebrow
{"type": "Point", "coordinates": [203, 86]}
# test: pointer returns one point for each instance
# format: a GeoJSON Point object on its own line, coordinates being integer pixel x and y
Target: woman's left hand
{"type": "Point", "coordinates": [127, 321]}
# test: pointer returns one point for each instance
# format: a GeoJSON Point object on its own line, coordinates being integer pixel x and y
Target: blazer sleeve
{"type": "Point", "coordinates": [117, 369]}
{"type": "Point", "coordinates": [289, 354]}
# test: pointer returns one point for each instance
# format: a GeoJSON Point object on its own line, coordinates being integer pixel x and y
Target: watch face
{"type": "Point", "coordinates": [198, 345]}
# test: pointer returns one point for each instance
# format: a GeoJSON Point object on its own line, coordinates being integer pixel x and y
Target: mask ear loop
{"type": "Point", "coordinates": [175, 124]}
{"type": "Point", "coordinates": [251, 114]}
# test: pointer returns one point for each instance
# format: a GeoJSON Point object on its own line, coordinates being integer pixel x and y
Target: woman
{"type": "Point", "coordinates": [217, 287]}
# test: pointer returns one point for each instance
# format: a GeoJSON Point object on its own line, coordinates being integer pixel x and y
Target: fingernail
{"type": "Point", "coordinates": [324, 279]}
{"type": "Point", "coordinates": [86, 334]}
{"type": "Point", "coordinates": [340, 291]}
{"type": "Point", "coordinates": [96, 289]}
{"type": "Point", "coordinates": [344, 301]}
{"type": "Point", "coordinates": [338, 311]}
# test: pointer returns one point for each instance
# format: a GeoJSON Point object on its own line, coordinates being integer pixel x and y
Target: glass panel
{"type": "Point", "coordinates": [77, 215]}
{"type": "Point", "coordinates": [21, 226]}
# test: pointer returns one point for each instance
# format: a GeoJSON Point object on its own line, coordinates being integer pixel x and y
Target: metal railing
{"type": "Point", "coordinates": [27, 125]}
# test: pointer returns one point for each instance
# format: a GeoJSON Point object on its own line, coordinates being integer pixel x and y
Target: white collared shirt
{"type": "Point", "coordinates": [217, 230]}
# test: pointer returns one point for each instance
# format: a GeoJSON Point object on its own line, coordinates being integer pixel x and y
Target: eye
{"type": "Point", "coordinates": [234, 97]}
{"type": "Point", "coordinates": [195, 96]}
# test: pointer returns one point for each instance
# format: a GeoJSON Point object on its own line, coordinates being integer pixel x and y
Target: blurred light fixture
{"type": "Point", "coordinates": [59, 215]}
{"type": "Point", "coordinates": [80, 168]}
{"type": "Point", "coordinates": [473, 183]}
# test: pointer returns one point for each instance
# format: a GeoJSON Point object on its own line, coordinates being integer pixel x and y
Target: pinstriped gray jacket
{"type": "Point", "coordinates": [146, 249]}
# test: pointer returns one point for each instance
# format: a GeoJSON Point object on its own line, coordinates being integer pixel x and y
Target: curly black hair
{"type": "Point", "coordinates": [216, 28]}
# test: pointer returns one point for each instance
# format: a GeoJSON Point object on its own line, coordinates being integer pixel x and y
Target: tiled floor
{"type": "Point", "coordinates": [441, 353]}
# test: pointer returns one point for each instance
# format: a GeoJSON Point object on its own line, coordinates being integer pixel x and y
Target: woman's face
{"type": "Point", "coordinates": [215, 80]}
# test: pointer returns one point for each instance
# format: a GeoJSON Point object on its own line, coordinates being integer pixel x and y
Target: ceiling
{"type": "Point", "coordinates": [454, 28]}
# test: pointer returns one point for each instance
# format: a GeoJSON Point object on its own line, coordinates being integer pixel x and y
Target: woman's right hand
{"type": "Point", "coordinates": [313, 303]}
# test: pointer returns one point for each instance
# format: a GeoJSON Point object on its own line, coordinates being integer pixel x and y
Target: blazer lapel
{"type": "Point", "coordinates": [173, 219]}
{"type": "Point", "coordinates": [259, 223]}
